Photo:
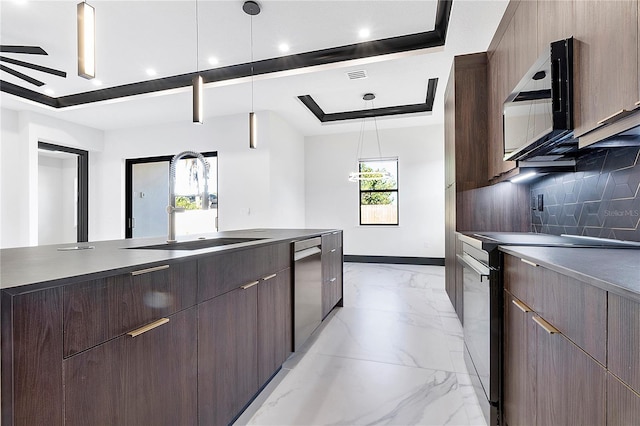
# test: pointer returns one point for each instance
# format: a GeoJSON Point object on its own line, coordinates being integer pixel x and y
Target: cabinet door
{"type": "Point", "coordinates": [556, 21]}
{"type": "Point", "coordinates": [147, 379]}
{"type": "Point", "coordinates": [161, 373]}
{"type": "Point", "coordinates": [227, 354]}
{"type": "Point", "coordinates": [331, 271]}
{"type": "Point", "coordinates": [519, 369]}
{"type": "Point", "coordinates": [571, 386]}
{"type": "Point", "coordinates": [624, 340]}
{"type": "Point", "coordinates": [623, 404]}
{"type": "Point", "coordinates": [32, 387]}
{"type": "Point", "coordinates": [607, 67]}
{"type": "Point", "coordinates": [274, 324]}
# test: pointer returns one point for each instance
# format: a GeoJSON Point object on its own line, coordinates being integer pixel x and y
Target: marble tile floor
{"type": "Point", "coordinates": [393, 355]}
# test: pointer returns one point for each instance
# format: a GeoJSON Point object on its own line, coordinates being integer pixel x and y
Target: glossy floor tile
{"type": "Point", "coordinates": [392, 356]}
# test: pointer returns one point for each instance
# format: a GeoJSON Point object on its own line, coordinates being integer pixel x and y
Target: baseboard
{"type": "Point", "coordinates": [403, 260]}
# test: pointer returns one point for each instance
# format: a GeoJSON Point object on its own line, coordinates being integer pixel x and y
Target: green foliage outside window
{"type": "Point", "coordinates": [376, 198]}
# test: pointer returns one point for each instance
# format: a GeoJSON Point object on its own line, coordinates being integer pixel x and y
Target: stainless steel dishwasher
{"type": "Point", "coordinates": [307, 289]}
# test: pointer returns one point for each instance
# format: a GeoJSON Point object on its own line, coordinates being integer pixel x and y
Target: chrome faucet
{"type": "Point", "coordinates": [171, 208]}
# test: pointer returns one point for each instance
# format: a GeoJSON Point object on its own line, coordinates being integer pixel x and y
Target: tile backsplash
{"type": "Point", "coordinates": [600, 199]}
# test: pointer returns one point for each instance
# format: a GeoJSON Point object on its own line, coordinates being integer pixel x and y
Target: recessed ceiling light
{"type": "Point", "coordinates": [213, 60]}
{"type": "Point", "coordinates": [96, 82]}
{"type": "Point", "coordinates": [151, 72]}
{"type": "Point", "coordinates": [284, 47]}
{"type": "Point", "coordinates": [49, 92]}
{"type": "Point", "coordinates": [364, 33]}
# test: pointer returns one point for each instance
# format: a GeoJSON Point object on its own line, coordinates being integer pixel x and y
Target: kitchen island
{"type": "Point", "coordinates": [137, 332]}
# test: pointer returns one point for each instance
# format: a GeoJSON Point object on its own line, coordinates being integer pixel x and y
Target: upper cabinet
{"type": "Point", "coordinates": [556, 21]}
{"type": "Point", "coordinates": [606, 83]}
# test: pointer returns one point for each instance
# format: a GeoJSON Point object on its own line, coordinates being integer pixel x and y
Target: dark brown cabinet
{"type": "Point", "coordinates": [624, 340]}
{"type": "Point", "coordinates": [607, 34]}
{"type": "Point", "coordinates": [275, 339]}
{"type": "Point", "coordinates": [581, 343]}
{"type": "Point", "coordinates": [227, 354]}
{"type": "Point", "coordinates": [244, 336]}
{"type": "Point", "coordinates": [331, 271]}
{"type": "Point", "coordinates": [623, 404]}
{"type": "Point", "coordinates": [110, 383]}
{"type": "Point", "coordinates": [519, 402]}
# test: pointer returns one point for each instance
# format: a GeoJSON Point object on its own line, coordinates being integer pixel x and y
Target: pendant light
{"type": "Point", "coordinates": [197, 81]}
{"type": "Point", "coordinates": [252, 8]}
{"type": "Point", "coordinates": [86, 18]}
{"type": "Point", "coordinates": [360, 175]}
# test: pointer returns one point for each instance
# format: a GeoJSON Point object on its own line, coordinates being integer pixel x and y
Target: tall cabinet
{"type": "Point", "coordinates": [465, 152]}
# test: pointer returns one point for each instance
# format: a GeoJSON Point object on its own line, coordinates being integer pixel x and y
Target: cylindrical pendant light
{"type": "Point", "coordinates": [86, 18]}
{"type": "Point", "coordinates": [253, 130]}
{"type": "Point", "coordinates": [197, 99]}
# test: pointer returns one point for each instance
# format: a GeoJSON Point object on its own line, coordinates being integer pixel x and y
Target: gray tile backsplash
{"type": "Point", "coordinates": [600, 199]}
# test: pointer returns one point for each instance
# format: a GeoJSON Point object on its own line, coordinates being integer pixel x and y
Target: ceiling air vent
{"type": "Point", "coordinates": [356, 75]}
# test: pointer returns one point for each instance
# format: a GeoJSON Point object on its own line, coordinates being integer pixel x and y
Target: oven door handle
{"type": "Point", "coordinates": [476, 266]}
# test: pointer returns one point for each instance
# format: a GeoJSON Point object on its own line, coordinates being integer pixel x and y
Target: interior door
{"type": "Point", "coordinates": [149, 199]}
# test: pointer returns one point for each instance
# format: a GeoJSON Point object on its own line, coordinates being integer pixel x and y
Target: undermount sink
{"type": "Point", "coordinates": [196, 244]}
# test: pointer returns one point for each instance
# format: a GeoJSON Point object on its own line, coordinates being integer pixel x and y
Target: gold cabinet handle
{"type": "Point", "coordinates": [148, 270]}
{"type": "Point", "coordinates": [620, 114]}
{"type": "Point", "coordinates": [528, 262]}
{"type": "Point", "coordinates": [249, 285]}
{"type": "Point", "coordinates": [524, 308]}
{"type": "Point", "coordinates": [268, 277]}
{"type": "Point", "coordinates": [545, 325]}
{"type": "Point", "coordinates": [148, 327]}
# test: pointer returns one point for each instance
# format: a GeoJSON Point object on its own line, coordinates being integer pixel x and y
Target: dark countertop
{"type": "Point", "coordinates": [611, 269]}
{"type": "Point", "coordinates": [49, 266]}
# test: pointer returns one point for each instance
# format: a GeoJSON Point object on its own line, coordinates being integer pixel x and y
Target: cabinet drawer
{"type": "Point", "coordinates": [98, 310]}
{"type": "Point", "coordinates": [578, 310]}
{"type": "Point", "coordinates": [221, 273]}
{"type": "Point", "coordinates": [624, 340]}
{"type": "Point", "coordinates": [623, 404]}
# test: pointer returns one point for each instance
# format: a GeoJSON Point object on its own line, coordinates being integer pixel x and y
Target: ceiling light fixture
{"type": "Point", "coordinates": [197, 81]}
{"type": "Point", "coordinates": [364, 33]}
{"type": "Point", "coordinates": [213, 60]}
{"type": "Point", "coordinates": [252, 8]}
{"type": "Point", "coordinates": [151, 72]}
{"type": "Point", "coordinates": [86, 17]}
{"type": "Point", "coordinates": [360, 175]}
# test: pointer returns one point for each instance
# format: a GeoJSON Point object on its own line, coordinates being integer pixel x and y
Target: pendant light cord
{"type": "Point", "coordinates": [197, 40]}
{"type": "Point", "coordinates": [361, 138]}
{"type": "Point", "coordinates": [251, 42]}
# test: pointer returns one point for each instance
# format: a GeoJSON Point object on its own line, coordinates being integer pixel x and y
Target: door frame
{"type": "Point", "coordinates": [83, 186]}
{"type": "Point", "coordinates": [128, 183]}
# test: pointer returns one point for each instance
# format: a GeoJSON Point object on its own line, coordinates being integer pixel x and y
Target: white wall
{"type": "Point", "coordinates": [249, 181]}
{"type": "Point", "coordinates": [56, 200]}
{"type": "Point", "coordinates": [20, 134]}
{"type": "Point", "coordinates": [332, 201]}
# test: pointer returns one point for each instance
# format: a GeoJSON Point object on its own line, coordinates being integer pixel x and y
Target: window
{"type": "Point", "coordinates": [379, 195]}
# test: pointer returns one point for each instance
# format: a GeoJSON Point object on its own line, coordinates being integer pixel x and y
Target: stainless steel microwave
{"type": "Point", "coordinates": [538, 113]}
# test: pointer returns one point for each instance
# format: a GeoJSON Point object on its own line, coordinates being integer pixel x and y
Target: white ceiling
{"type": "Point", "coordinates": [135, 35]}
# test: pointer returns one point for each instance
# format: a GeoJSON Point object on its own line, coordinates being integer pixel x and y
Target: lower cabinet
{"type": "Point", "coordinates": [110, 383]}
{"type": "Point", "coordinates": [331, 271]}
{"type": "Point", "coordinates": [244, 336]}
{"type": "Point", "coordinates": [547, 379]}
{"type": "Point", "coordinates": [569, 350]}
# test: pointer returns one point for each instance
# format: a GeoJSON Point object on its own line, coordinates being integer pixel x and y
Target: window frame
{"type": "Point", "coordinates": [396, 190]}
